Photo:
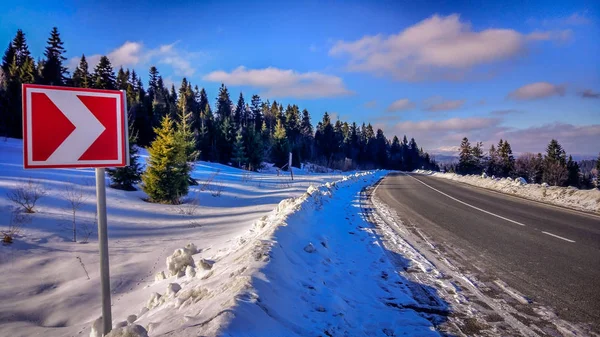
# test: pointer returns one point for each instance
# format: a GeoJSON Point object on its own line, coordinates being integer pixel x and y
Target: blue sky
{"type": "Point", "coordinates": [527, 72]}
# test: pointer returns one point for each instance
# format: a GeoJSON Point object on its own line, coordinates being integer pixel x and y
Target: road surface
{"type": "Point", "coordinates": [549, 254]}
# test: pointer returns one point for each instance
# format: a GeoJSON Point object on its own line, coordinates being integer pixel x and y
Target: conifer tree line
{"type": "Point", "coordinates": [553, 167]}
{"type": "Point", "coordinates": [244, 134]}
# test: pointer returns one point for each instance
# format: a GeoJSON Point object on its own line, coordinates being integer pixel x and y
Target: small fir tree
{"type": "Point", "coordinates": [124, 178]}
{"type": "Point", "coordinates": [166, 177]}
{"type": "Point", "coordinates": [239, 152]}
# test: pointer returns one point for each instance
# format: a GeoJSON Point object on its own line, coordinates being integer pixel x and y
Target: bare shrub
{"type": "Point", "coordinates": [26, 195]}
{"type": "Point", "coordinates": [83, 266]}
{"type": "Point", "coordinates": [247, 177]}
{"type": "Point", "coordinates": [216, 188]}
{"type": "Point", "coordinates": [555, 174]}
{"type": "Point", "coordinates": [17, 220]}
{"type": "Point", "coordinates": [189, 206]}
{"type": "Point", "coordinates": [206, 184]}
{"type": "Point", "coordinates": [86, 229]}
{"type": "Point", "coordinates": [75, 197]}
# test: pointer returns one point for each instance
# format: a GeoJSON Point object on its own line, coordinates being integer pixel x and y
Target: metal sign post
{"type": "Point", "coordinates": [76, 127]}
{"type": "Point", "coordinates": [290, 166]}
{"type": "Point", "coordinates": [103, 245]}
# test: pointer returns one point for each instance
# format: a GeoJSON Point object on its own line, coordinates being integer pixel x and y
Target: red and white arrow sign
{"type": "Point", "coordinates": [73, 127]}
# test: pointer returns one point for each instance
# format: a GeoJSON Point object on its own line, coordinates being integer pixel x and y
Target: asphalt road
{"type": "Point", "coordinates": [549, 254]}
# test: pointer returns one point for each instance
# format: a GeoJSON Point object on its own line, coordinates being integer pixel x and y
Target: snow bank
{"type": "Point", "coordinates": [128, 331]}
{"type": "Point", "coordinates": [177, 263]}
{"type": "Point", "coordinates": [313, 266]}
{"type": "Point", "coordinates": [586, 200]}
{"type": "Point", "coordinates": [63, 299]}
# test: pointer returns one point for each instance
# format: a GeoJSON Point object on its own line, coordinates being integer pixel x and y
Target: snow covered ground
{"type": "Point", "coordinates": [586, 200]}
{"type": "Point", "coordinates": [249, 254]}
{"type": "Point", "coordinates": [311, 267]}
{"type": "Point", "coordinates": [43, 283]}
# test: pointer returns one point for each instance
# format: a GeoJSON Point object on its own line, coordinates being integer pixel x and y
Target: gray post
{"type": "Point", "coordinates": [290, 166]}
{"type": "Point", "coordinates": [103, 242]}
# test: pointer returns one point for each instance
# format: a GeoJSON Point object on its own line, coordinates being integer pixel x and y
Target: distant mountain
{"type": "Point", "coordinates": [445, 158]}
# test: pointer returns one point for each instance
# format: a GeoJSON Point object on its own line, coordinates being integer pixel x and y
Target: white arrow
{"type": "Point", "coordinates": [87, 127]}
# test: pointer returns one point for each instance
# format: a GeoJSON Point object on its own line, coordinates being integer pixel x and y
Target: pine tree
{"type": "Point", "coordinates": [223, 103]}
{"type": "Point", "coordinates": [54, 73]}
{"type": "Point", "coordinates": [17, 66]}
{"type": "Point", "coordinates": [20, 49]}
{"type": "Point", "coordinates": [465, 157]}
{"type": "Point", "coordinates": [280, 149]}
{"type": "Point", "coordinates": [104, 76]}
{"type": "Point", "coordinates": [239, 117]}
{"type": "Point", "coordinates": [477, 156]}
{"type": "Point", "coordinates": [122, 79]}
{"type": "Point", "coordinates": [124, 178]}
{"type": "Point", "coordinates": [395, 154]}
{"type": "Point", "coordinates": [493, 162]}
{"type": "Point", "coordinates": [555, 164]}
{"type": "Point", "coordinates": [186, 136]}
{"type": "Point", "coordinates": [204, 105]}
{"type": "Point", "coordinates": [507, 160]}
{"type": "Point", "coordinates": [573, 173]}
{"type": "Point", "coordinates": [256, 109]}
{"type": "Point", "coordinates": [7, 59]}
{"type": "Point", "coordinates": [27, 72]}
{"type": "Point", "coordinates": [81, 75]}
{"type": "Point", "coordinates": [254, 148]}
{"type": "Point", "coordinates": [239, 152]}
{"type": "Point", "coordinates": [153, 88]}
{"type": "Point", "coordinates": [166, 177]}
{"type": "Point", "coordinates": [206, 134]}
{"type": "Point", "coordinates": [381, 153]}
{"type": "Point", "coordinates": [226, 139]}
{"type": "Point", "coordinates": [555, 153]}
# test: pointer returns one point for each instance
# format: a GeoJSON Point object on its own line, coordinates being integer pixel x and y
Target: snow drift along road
{"type": "Point", "coordinates": [585, 200]}
{"type": "Point", "coordinates": [312, 267]}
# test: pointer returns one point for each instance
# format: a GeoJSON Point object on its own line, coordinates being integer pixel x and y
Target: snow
{"type": "Point", "coordinates": [230, 262]}
{"type": "Point", "coordinates": [133, 330]}
{"type": "Point", "coordinates": [43, 285]}
{"type": "Point", "coordinates": [177, 263]}
{"type": "Point", "coordinates": [585, 200]}
{"type": "Point", "coordinates": [272, 284]}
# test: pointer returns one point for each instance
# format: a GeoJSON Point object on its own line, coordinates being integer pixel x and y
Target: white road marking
{"type": "Point", "coordinates": [469, 205]}
{"type": "Point", "coordinates": [558, 237]}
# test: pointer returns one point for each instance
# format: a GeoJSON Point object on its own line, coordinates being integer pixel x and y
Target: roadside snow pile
{"type": "Point", "coordinates": [586, 200]}
{"type": "Point", "coordinates": [313, 266]}
{"type": "Point", "coordinates": [63, 296]}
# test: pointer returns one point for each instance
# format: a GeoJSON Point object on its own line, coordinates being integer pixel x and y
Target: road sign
{"type": "Point", "coordinates": [74, 127]}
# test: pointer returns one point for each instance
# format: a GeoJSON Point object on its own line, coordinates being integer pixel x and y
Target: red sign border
{"type": "Point", "coordinates": [125, 134]}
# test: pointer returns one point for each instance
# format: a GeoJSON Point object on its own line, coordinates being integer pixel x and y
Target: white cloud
{"type": "Point", "coordinates": [400, 105]}
{"type": "Point", "coordinates": [370, 104]}
{"type": "Point", "coordinates": [452, 124]}
{"type": "Point", "coordinates": [589, 93]}
{"type": "Point", "coordinates": [576, 19]}
{"type": "Point", "coordinates": [550, 35]}
{"type": "Point", "coordinates": [575, 139]}
{"type": "Point", "coordinates": [437, 47]}
{"type": "Point", "coordinates": [128, 54]}
{"type": "Point", "coordinates": [282, 83]}
{"type": "Point", "coordinates": [443, 136]}
{"type": "Point", "coordinates": [131, 54]}
{"type": "Point", "coordinates": [537, 90]}
{"type": "Point", "coordinates": [505, 112]}
{"type": "Point", "coordinates": [436, 104]}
